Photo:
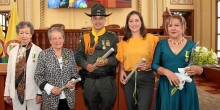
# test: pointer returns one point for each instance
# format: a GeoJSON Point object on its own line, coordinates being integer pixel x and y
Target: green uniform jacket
{"type": "Point", "coordinates": [110, 40]}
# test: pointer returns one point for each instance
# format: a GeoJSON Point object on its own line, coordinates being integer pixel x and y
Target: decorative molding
{"type": "Point", "coordinates": [154, 10]}
{"type": "Point", "coordinates": [139, 6]}
{"type": "Point", "coordinates": [199, 21]}
{"type": "Point", "coordinates": [28, 10]}
{"type": "Point", "coordinates": [165, 5]}
{"type": "Point", "coordinates": [41, 13]}
{"type": "Point", "coordinates": [4, 2]}
{"type": "Point", "coordinates": [181, 2]}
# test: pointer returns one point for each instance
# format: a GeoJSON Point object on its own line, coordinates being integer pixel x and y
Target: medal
{"type": "Point", "coordinates": [187, 59]}
{"type": "Point", "coordinates": [91, 50]}
{"type": "Point", "coordinates": [103, 45]}
{"type": "Point", "coordinates": [107, 43]}
{"type": "Point", "coordinates": [64, 58]}
{"type": "Point", "coordinates": [187, 56]}
{"type": "Point", "coordinates": [33, 56]}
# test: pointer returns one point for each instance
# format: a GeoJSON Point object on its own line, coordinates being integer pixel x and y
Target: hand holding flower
{"type": "Point", "coordinates": [173, 79]}
{"type": "Point", "coordinates": [183, 77]}
{"type": "Point", "coordinates": [193, 70]}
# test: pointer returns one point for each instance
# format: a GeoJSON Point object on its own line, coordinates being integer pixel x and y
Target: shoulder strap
{"type": "Point", "coordinates": [86, 37]}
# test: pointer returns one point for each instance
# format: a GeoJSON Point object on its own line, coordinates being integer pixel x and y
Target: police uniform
{"type": "Point", "coordinates": [99, 86]}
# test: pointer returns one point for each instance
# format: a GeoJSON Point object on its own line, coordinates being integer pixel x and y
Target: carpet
{"type": "Point", "coordinates": [208, 101]}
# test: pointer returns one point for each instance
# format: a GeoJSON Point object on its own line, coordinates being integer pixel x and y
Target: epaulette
{"type": "Point", "coordinates": [110, 32]}
{"type": "Point", "coordinates": [86, 32]}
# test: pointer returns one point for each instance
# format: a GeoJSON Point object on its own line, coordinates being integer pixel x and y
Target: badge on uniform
{"type": "Point", "coordinates": [100, 59]}
{"type": "Point", "coordinates": [187, 56]}
{"type": "Point", "coordinates": [91, 51]}
{"type": "Point", "coordinates": [33, 56]}
{"type": "Point", "coordinates": [103, 44]}
{"type": "Point", "coordinates": [107, 43]}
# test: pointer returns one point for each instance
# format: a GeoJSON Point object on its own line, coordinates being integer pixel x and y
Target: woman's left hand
{"type": "Point", "coordinates": [69, 85]}
{"type": "Point", "coordinates": [144, 66]}
{"type": "Point", "coordinates": [38, 99]}
{"type": "Point", "coordinates": [193, 70]}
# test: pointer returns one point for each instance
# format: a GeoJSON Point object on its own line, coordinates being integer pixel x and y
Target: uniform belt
{"type": "Point", "coordinates": [97, 75]}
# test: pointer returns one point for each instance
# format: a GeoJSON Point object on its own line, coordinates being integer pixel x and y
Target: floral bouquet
{"type": "Point", "coordinates": [201, 56]}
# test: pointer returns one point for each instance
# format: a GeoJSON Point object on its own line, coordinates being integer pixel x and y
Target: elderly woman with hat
{"type": "Point", "coordinates": [99, 87]}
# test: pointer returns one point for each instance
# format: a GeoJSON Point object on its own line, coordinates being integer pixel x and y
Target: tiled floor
{"type": "Point", "coordinates": [212, 88]}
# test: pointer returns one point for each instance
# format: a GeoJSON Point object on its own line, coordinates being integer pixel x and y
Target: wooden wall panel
{"type": "Point", "coordinates": [212, 74]}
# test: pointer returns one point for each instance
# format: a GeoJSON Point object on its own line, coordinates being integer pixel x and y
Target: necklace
{"type": "Point", "coordinates": [177, 43]}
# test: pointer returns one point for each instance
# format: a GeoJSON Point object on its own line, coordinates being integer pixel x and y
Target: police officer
{"type": "Point", "coordinates": [100, 89]}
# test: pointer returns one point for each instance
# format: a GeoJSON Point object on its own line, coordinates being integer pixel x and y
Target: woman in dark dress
{"type": "Point", "coordinates": [169, 56]}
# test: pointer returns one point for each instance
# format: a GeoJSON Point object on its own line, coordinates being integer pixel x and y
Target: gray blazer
{"type": "Point", "coordinates": [48, 71]}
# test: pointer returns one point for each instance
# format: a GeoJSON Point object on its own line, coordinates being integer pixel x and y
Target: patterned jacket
{"type": "Point", "coordinates": [48, 71]}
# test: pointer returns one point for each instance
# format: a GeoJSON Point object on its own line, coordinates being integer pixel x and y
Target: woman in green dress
{"type": "Point", "coordinates": [169, 56]}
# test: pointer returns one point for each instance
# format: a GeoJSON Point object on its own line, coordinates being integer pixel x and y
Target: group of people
{"type": "Point", "coordinates": [36, 76]}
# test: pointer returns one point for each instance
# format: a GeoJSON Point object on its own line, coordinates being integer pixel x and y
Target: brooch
{"type": "Point", "coordinates": [64, 58]}
{"type": "Point", "coordinates": [33, 56]}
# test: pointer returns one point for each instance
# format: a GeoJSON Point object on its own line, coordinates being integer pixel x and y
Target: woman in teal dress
{"type": "Point", "coordinates": [168, 57]}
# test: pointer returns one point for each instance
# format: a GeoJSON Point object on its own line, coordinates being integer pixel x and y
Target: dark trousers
{"type": "Point", "coordinates": [100, 94]}
{"type": "Point", "coordinates": [145, 89]}
{"type": "Point", "coordinates": [63, 105]}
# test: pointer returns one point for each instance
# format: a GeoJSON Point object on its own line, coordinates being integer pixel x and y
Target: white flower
{"type": "Point", "coordinates": [197, 48]}
{"type": "Point", "coordinates": [214, 55]}
{"type": "Point", "coordinates": [183, 77]}
{"type": "Point", "coordinates": [201, 54]}
{"type": "Point", "coordinates": [205, 50]}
